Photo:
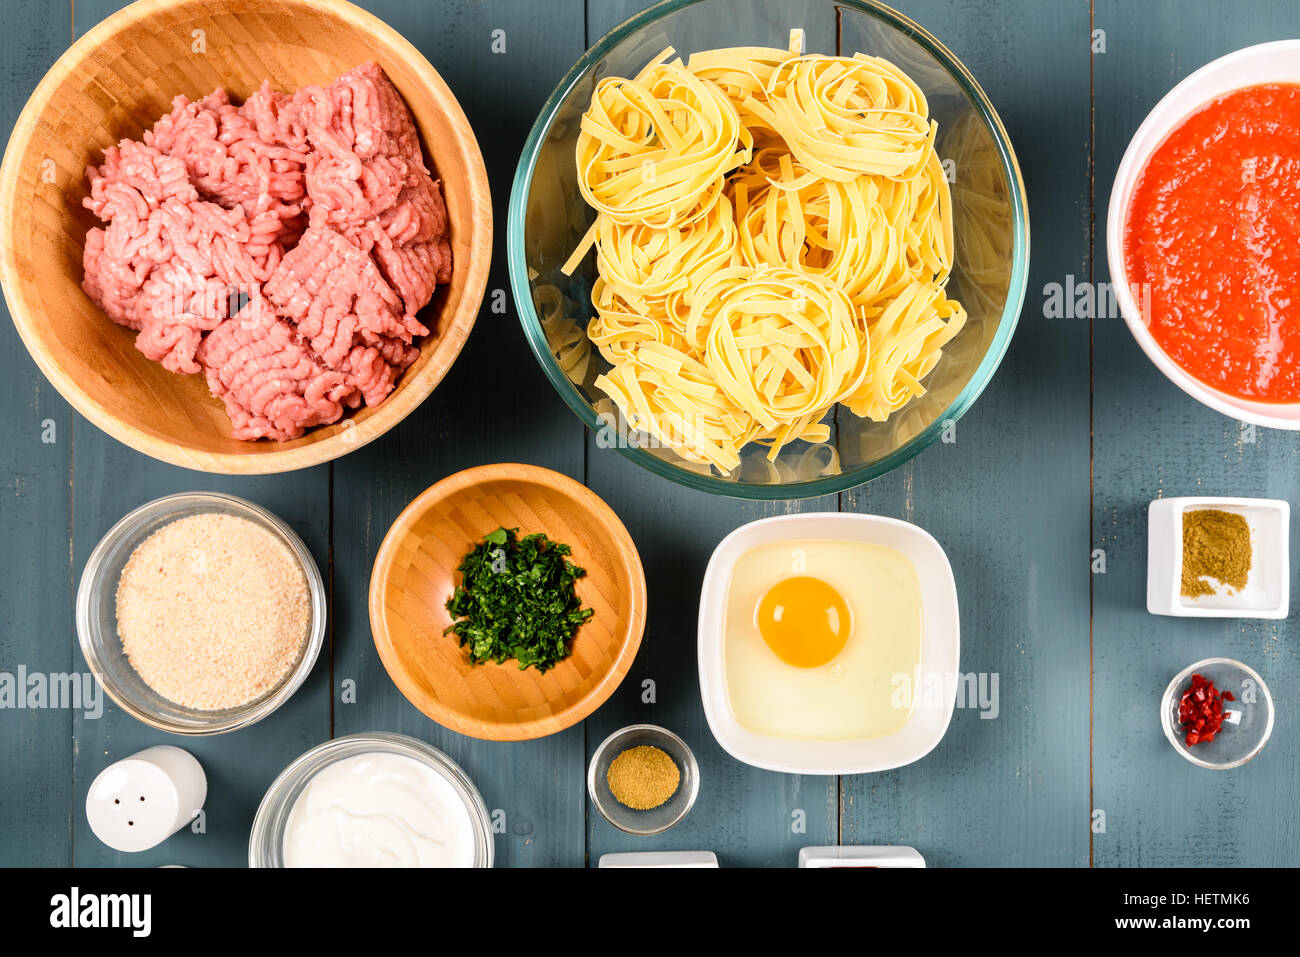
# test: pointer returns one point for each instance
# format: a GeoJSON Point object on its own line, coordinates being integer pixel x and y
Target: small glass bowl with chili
{"type": "Point", "coordinates": [1217, 713]}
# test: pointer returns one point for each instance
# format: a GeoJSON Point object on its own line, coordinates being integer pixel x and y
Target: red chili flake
{"type": "Point", "coordinates": [1200, 710]}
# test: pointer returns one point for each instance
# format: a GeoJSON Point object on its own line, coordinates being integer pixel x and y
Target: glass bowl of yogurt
{"type": "Point", "coordinates": [372, 800]}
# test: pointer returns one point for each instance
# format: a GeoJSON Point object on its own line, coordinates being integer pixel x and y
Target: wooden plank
{"type": "Point", "coordinates": [110, 480]}
{"type": "Point", "coordinates": [1007, 498]}
{"type": "Point", "coordinates": [1153, 441]}
{"type": "Point", "coordinates": [494, 406]}
{"type": "Point", "coordinates": [749, 817]}
{"type": "Point", "coordinates": [36, 612]}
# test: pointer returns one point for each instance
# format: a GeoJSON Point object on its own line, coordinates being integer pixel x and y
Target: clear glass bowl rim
{"type": "Point", "coordinates": [264, 840]}
{"type": "Point", "coordinates": [650, 729]}
{"type": "Point", "coordinates": [1174, 691]}
{"type": "Point", "coordinates": [829, 485]}
{"type": "Point", "coordinates": [92, 582]}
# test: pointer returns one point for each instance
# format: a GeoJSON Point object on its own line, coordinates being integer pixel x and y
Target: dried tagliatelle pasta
{"type": "Point", "coordinates": [773, 237]}
{"type": "Point", "coordinates": [783, 346]}
{"type": "Point", "coordinates": [847, 116]}
{"type": "Point", "coordinates": [906, 342]}
{"type": "Point", "coordinates": [655, 149]}
{"type": "Point", "coordinates": [564, 337]}
{"type": "Point", "coordinates": [742, 73]}
{"type": "Point", "coordinates": [651, 269]}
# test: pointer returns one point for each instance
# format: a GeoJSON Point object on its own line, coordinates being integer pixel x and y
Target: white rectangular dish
{"type": "Point", "coordinates": [839, 855]}
{"type": "Point", "coordinates": [1268, 588]}
{"type": "Point", "coordinates": [939, 660]}
{"type": "Point", "coordinates": [659, 859]}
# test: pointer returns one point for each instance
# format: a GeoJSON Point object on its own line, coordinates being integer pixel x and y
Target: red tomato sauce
{"type": "Point", "coordinates": [1212, 243]}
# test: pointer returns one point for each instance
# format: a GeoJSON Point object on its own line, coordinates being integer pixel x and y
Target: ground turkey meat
{"type": "Point", "coordinates": [283, 247]}
{"type": "Point", "coordinates": [253, 154]}
{"type": "Point", "coordinates": [334, 292]}
{"type": "Point", "coordinates": [345, 310]}
{"type": "Point", "coordinates": [125, 192]}
{"type": "Point", "coordinates": [271, 383]}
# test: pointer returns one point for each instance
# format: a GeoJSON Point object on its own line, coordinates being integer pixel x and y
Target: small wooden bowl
{"type": "Point", "coordinates": [415, 573]}
{"type": "Point", "coordinates": [115, 82]}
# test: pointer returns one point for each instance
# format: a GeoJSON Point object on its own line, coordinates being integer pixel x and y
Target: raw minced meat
{"type": "Point", "coordinates": [336, 295]}
{"type": "Point", "coordinates": [414, 271]}
{"type": "Point", "coordinates": [253, 154]}
{"type": "Point", "coordinates": [365, 150]}
{"type": "Point", "coordinates": [283, 247]}
{"type": "Point", "coordinates": [133, 182]}
{"type": "Point", "coordinates": [206, 255]}
{"type": "Point", "coordinates": [375, 367]}
{"type": "Point", "coordinates": [272, 385]}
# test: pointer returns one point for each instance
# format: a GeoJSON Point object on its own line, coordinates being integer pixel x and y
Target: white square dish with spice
{"type": "Point", "coordinates": [1219, 557]}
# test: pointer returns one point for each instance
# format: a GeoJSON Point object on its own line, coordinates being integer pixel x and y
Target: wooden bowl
{"type": "Point", "coordinates": [415, 573]}
{"type": "Point", "coordinates": [114, 83]}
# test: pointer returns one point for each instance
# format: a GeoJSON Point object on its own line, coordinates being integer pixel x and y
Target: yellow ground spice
{"type": "Point", "coordinates": [643, 777]}
{"type": "Point", "coordinates": [1216, 544]}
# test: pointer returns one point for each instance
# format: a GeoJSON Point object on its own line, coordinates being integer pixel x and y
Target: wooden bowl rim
{"type": "Point", "coordinates": [411, 391]}
{"type": "Point", "coordinates": [551, 481]}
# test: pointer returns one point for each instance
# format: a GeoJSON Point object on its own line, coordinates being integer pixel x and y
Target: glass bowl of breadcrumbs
{"type": "Point", "coordinates": [643, 779]}
{"type": "Point", "coordinates": [201, 613]}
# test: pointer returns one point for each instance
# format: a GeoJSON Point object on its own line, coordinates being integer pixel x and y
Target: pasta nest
{"type": "Point", "coordinates": [656, 149]}
{"type": "Point", "coordinates": [843, 117]}
{"type": "Point", "coordinates": [782, 345]}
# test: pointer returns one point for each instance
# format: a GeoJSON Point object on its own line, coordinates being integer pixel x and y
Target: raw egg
{"type": "Point", "coordinates": [804, 620]}
{"type": "Point", "coordinates": [820, 636]}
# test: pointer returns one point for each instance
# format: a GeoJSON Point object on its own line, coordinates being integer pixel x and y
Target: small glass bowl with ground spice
{"type": "Point", "coordinates": [201, 613]}
{"type": "Point", "coordinates": [1217, 713]}
{"type": "Point", "coordinates": [1219, 558]}
{"type": "Point", "coordinates": [643, 779]}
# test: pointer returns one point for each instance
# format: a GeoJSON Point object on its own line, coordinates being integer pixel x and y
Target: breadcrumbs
{"type": "Point", "coordinates": [213, 611]}
{"type": "Point", "coordinates": [643, 777]}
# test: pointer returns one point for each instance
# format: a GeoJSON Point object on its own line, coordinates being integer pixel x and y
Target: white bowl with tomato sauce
{"type": "Point", "coordinates": [1228, 378]}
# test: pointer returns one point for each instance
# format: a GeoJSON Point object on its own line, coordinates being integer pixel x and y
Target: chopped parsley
{"type": "Point", "coordinates": [516, 600]}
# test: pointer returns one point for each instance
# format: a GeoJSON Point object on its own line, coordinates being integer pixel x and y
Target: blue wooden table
{"type": "Point", "coordinates": [1056, 461]}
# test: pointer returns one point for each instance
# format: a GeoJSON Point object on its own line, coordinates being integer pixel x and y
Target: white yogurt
{"type": "Point", "coordinates": [379, 810]}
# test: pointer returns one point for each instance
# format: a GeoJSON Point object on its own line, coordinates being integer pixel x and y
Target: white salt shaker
{"type": "Point", "coordinates": [140, 801]}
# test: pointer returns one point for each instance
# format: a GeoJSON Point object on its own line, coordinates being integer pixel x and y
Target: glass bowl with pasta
{"type": "Point", "coordinates": [768, 250]}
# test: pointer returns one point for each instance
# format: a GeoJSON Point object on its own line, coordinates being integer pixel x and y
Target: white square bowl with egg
{"type": "Point", "coordinates": [932, 685]}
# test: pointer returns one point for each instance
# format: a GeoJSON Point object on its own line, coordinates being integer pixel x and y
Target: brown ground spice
{"type": "Point", "coordinates": [643, 777]}
{"type": "Point", "coordinates": [1216, 544]}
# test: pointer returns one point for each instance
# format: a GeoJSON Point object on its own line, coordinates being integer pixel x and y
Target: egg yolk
{"type": "Point", "coordinates": [804, 621]}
